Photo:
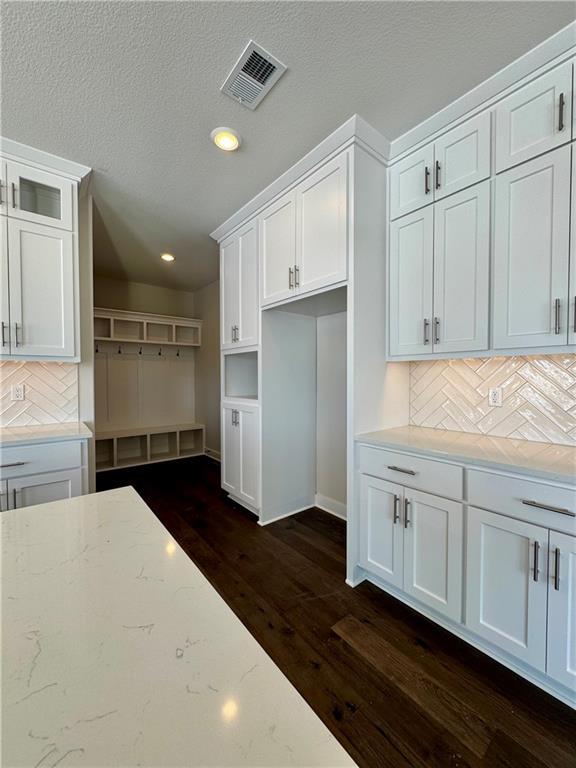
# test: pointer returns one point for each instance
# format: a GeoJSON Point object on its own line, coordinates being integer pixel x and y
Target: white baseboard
{"type": "Point", "coordinates": [212, 454]}
{"type": "Point", "coordinates": [335, 508]}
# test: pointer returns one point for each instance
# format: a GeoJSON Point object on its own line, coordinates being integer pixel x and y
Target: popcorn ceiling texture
{"type": "Point", "coordinates": [51, 393]}
{"type": "Point", "coordinates": [539, 397]}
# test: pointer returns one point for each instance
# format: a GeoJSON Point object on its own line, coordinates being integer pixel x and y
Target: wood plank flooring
{"type": "Point", "coordinates": [395, 689]}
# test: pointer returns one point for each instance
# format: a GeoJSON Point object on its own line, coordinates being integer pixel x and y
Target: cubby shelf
{"type": "Point", "coordinates": [119, 325]}
{"type": "Point", "coordinates": [116, 449]}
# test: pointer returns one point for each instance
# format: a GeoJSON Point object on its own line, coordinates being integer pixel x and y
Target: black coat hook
{"type": "Point", "coordinates": [119, 349]}
{"type": "Point", "coordinates": [140, 351]}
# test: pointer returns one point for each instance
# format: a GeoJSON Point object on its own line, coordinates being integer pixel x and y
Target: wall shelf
{"type": "Point", "coordinates": [123, 448]}
{"type": "Point", "coordinates": [120, 325]}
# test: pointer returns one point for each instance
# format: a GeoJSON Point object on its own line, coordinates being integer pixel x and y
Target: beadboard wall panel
{"type": "Point", "coordinates": [539, 397]}
{"type": "Point", "coordinates": [51, 391]}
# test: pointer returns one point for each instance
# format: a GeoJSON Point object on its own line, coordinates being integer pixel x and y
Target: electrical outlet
{"type": "Point", "coordinates": [495, 397]}
{"type": "Point", "coordinates": [18, 392]}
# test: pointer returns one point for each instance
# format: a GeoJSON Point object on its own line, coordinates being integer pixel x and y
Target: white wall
{"type": "Point", "coordinates": [207, 308]}
{"type": "Point", "coordinates": [140, 297]}
{"type": "Point", "coordinates": [331, 412]}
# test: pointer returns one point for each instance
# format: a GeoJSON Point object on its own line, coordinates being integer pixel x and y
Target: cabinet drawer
{"type": "Point", "coordinates": [35, 459]}
{"type": "Point", "coordinates": [412, 471]}
{"type": "Point", "coordinates": [550, 506]}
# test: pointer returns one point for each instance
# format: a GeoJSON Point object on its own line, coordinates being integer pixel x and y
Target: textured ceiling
{"type": "Point", "coordinates": [132, 90]}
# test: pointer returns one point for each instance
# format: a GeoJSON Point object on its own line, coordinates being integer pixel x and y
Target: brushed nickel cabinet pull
{"type": "Point", "coordinates": [14, 498]}
{"type": "Point", "coordinates": [290, 277]}
{"type": "Point", "coordinates": [13, 464]}
{"type": "Point", "coordinates": [426, 329]}
{"type": "Point", "coordinates": [536, 558]}
{"type": "Point", "coordinates": [1, 198]}
{"type": "Point", "coordinates": [557, 569]}
{"type": "Point", "coordinates": [557, 316]}
{"type": "Point", "coordinates": [396, 510]}
{"type": "Point", "coordinates": [13, 195]}
{"type": "Point", "coordinates": [561, 102]}
{"type": "Point", "coordinates": [436, 330]}
{"type": "Point", "coordinates": [548, 507]}
{"type": "Point", "coordinates": [17, 340]}
{"type": "Point", "coordinates": [3, 334]}
{"type": "Point", "coordinates": [296, 276]}
{"type": "Point", "coordinates": [574, 317]}
{"type": "Point", "coordinates": [394, 468]}
{"type": "Point", "coordinates": [406, 519]}
{"type": "Point", "coordinates": [426, 180]}
{"type": "Point", "coordinates": [437, 175]}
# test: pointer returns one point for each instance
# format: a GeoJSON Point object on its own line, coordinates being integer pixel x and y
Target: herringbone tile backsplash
{"type": "Point", "coordinates": [539, 396]}
{"type": "Point", "coordinates": [51, 393]}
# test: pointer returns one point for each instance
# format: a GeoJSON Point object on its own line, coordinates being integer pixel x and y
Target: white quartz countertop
{"type": "Point", "coordinates": [537, 460]}
{"type": "Point", "coordinates": [45, 433]}
{"type": "Point", "coordinates": [118, 652]}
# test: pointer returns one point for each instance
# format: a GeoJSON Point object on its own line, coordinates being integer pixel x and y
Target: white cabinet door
{"type": "Point", "coordinates": [572, 287]}
{"type": "Point", "coordinates": [462, 156]}
{"type": "Point", "coordinates": [42, 282]}
{"type": "Point", "coordinates": [433, 530]}
{"type": "Point", "coordinates": [229, 293]}
{"type": "Point", "coordinates": [230, 450]}
{"type": "Point", "coordinates": [411, 182]}
{"type": "Point", "coordinates": [247, 334]}
{"type": "Point", "coordinates": [40, 489]}
{"type": "Point", "coordinates": [4, 505]}
{"type": "Point", "coordinates": [4, 290]}
{"type": "Point", "coordinates": [561, 662]}
{"type": "Point", "coordinates": [3, 187]}
{"type": "Point", "coordinates": [321, 224]}
{"type": "Point", "coordinates": [535, 118]}
{"type": "Point", "coordinates": [39, 197]}
{"type": "Point", "coordinates": [531, 243]}
{"type": "Point", "coordinates": [411, 265]}
{"type": "Point", "coordinates": [249, 445]}
{"type": "Point", "coordinates": [381, 528]}
{"type": "Point", "coordinates": [462, 270]}
{"type": "Point", "coordinates": [278, 249]}
{"type": "Point", "coordinates": [506, 584]}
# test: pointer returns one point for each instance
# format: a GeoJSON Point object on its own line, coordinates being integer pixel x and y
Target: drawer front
{"type": "Point", "coordinates": [538, 503]}
{"type": "Point", "coordinates": [412, 471]}
{"type": "Point", "coordinates": [34, 459]}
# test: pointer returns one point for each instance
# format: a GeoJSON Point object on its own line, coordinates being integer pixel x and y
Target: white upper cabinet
{"type": "Point", "coordinates": [42, 289]}
{"type": "Point", "coordinates": [411, 182]}
{"type": "Point", "coordinates": [561, 662]}
{"type": "Point", "coordinates": [411, 272]}
{"type": "Point", "coordinates": [39, 197]}
{"type": "Point", "coordinates": [462, 156]}
{"type": "Point", "coordinates": [3, 187]}
{"type": "Point", "coordinates": [461, 271]}
{"type": "Point", "coordinates": [507, 584]}
{"type": "Point", "coordinates": [532, 211]}
{"type": "Point", "coordinates": [321, 226]}
{"type": "Point", "coordinates": [572, 286]}
{"type": "Point", "coordinates": [278, 249]}
{"type": "Point", "coordinates": [433, 552]}
{"type": "Point", "coordinates": [535, 118]}
{"type": "Point", "coordinates": [239, 288]}
{"type": "Point", "coordinates": [381, 548]}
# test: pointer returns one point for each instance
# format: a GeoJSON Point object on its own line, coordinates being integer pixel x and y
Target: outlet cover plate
{"type": "Point", "coordinates": [18, 392]}
{"type": "Point", "coordinates": [495, 397]}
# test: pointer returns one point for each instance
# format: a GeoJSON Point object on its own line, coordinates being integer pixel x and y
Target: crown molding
{"type": "Point", "coordinates": [13, 150]}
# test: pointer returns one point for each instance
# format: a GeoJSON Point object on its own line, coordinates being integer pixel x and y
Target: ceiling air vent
{"type": "Point", "coordinates": [254, 74]}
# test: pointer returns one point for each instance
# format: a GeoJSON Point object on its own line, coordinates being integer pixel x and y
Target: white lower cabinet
{"type": "Point", "coordinates": [561, 656]}
{"type": "Point", "coordinates": [507, 584]}
{"type": "Point", "coordinates": [40, 489]}
{"type": "Point", "coordinates": [241, 452]}
{"type": "Point", "coordinates": [413, 540]}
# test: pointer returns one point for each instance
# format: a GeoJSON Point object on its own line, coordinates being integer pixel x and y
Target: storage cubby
{"type": "Point", "coordinates": [160, 332]}
{"type": "Point", "coordinates": [241, 375]}
{"type": "Point", "coordinates": [104, 454]}
{"type": "Point", "coordinates": [102, 327]}
{"type": "Point", "coordinates": [185, 334]}
{"type": "Point", "coordinates": [163, 445]}
{"type": "Point", "coordinates": [191, 442]}
{"type": "Point", "coordinates": [128, 329]}
{"type": "Point", "coordinates": [132, 450]}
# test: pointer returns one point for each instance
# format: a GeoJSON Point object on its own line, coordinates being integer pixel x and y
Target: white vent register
{"type": "Point", "coordinates": [253, 76]}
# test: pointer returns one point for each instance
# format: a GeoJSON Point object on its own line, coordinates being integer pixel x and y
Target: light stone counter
{"type": "Point", "coordinates": [45, 433]}
{"type": "Point", "coordinates": [118, 652]}
{"type": "Point", "coordinates": [537, 460]}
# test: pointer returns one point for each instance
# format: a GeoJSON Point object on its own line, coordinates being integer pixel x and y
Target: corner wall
{"type": "Point", "coordinates": [207, 309]}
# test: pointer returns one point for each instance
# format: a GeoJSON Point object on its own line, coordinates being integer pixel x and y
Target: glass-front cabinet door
{"type": "Point", "coordinates": [39, 197]}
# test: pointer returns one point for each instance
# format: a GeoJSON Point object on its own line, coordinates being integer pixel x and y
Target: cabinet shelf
{"type": "Point", "coordinates": [147, 445]}
{"type": "Point", "coordinates": [122, 326]}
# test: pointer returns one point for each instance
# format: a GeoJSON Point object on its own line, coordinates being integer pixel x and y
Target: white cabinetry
{"type": "Point", "coordinates": [572, 286]}
{"type": "Point", "coordinates": [3, 187]}
{"type": "Point", "coordinates": [381, 545]}
{"type": "Point", "coordinates": [241, 452]}
{"type": "Point", "coordinates": [535, 118]}
{"type": "Point", "coordinates": [39, 197]}
{"type": "Point", "coordinates": [439, 272]}
{"type": "Point", "coordinates": [410, 182]}
{"type": "Point", "coordinates": [561, 662]}
{"type": "Point", "coordinates": [239, 290]}
{"type": "Point", "coordinates": [507, 584]}
{"type": "Point", "coordinates": [303, 235]}
{"type": "Point", "coordinates": [531, 253]}
{"type": "Point", "coordinates": [40, 489]}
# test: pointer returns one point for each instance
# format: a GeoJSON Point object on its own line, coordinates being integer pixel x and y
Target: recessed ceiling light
{"type": "Point", "coordinates": [226, 139]}
{"type": "Point", "coordinates": [167, 257]}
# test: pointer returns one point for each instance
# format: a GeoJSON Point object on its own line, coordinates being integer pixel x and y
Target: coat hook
{"type": "Point", "coordinates": [119, 349]}
{"type": "Point", "coordinates": [140, 351]}
{"type": "Point", "coordinates": [177, 353]}
{"type": "Point", "coordinates": [160, 352]}
{"type": "Point", "coordinates": [97, 348]}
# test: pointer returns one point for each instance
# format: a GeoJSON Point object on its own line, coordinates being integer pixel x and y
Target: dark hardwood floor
{"type": "Point", "coordinates": [395, 689]}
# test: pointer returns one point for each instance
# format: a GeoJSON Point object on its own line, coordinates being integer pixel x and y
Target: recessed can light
{"type": "Point", "coordinates": [226, 139]}
{"type": "Point", "coordinates": [167, 257]}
